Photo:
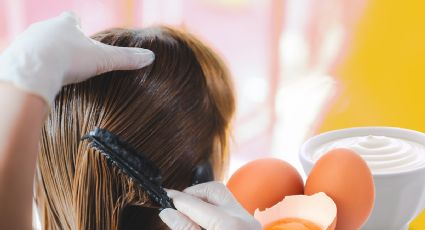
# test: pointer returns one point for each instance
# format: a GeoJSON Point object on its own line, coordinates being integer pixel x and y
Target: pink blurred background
{"type": "Point", "coordinates": [275, 50]}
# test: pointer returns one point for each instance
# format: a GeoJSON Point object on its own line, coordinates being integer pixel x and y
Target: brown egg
{"type": "Point", "coordinates": [344, 176]}
{"type": "Point", "coordinates": [265, 182]}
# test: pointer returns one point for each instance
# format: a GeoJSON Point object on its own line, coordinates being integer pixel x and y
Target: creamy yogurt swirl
{"type": "Point", "coordinates": [381, 153]}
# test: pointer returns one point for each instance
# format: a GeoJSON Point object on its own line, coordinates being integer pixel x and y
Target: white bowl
{"type": "Point", "coordinates": [399, 196]}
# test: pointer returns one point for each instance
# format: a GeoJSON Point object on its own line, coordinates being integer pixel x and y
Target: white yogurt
{"type": "Point", "coordinates": [381, 153]}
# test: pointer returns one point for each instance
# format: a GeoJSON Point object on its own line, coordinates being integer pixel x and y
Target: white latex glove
{"type": "Point", "coordinates": [211, 206]}
{"type": "Point", "coordinates": [55, 52]}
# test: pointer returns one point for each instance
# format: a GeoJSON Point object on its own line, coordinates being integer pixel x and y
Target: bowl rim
{"type": "Point", "coordinates": [316, 138]}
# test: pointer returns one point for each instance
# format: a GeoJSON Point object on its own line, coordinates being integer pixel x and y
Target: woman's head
{"type": "Point", "coordinates": [176, 112]}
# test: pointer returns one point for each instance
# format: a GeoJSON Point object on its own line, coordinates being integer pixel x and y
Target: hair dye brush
{"type": "Point", "coordinates": [132, 163]}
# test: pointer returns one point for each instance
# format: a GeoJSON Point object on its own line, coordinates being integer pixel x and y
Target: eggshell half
{"type": "Point", "coordinates": [300, 212]}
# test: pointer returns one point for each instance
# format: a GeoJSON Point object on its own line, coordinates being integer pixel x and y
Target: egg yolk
{"type": "Point", "coordinates": [292, 224]}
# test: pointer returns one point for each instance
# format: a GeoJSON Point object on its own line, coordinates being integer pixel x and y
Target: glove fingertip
{"type": "Point", "coordinates": [146, 58]}
{"type": "Point", "coordinates": [166, 213]}
{"type": "Point", "coordinates": [176, 220]}
{"type": "Point", "coordinates": [72, 17]}
{"type": "Point", "coordinates": [127, 58]}
{"type": "Point", "coordinates": [172, 193]}
{"type": "Point", "coordinates": [167, 216]}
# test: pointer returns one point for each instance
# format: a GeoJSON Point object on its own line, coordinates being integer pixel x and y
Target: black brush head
{"type": "Point", "coordinates": [132, 163]}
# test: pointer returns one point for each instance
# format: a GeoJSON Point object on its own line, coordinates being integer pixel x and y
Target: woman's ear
{"type": "Point", "coordinates": [203, 173]}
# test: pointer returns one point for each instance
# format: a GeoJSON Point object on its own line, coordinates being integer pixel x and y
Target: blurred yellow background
{"type": "Point", "coordinates": [382, 79]}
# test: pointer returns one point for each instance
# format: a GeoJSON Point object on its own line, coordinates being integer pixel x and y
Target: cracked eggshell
{"type": "Point", "coordinates": [300, 212]}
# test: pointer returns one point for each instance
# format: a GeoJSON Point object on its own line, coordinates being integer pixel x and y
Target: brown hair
{"type": "Point", "coordinates": [177, 112]}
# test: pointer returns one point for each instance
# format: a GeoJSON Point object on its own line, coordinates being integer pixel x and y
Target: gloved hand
{"type": "Point", "coordinates": [211, 206]}
{"type": "Point", "coordinates": [55, 52]}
